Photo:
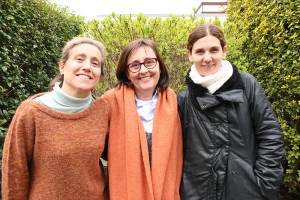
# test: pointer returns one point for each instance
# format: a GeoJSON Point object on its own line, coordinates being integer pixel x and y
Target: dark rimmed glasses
{"type": "Point", "coordinates": [149, 63]}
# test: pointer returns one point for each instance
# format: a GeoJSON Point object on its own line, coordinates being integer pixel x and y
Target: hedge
{"type": "Point", "coordinates": [265, 41]}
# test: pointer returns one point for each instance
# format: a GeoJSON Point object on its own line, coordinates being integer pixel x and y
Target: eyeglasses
{"type": "Point", "coordinates": [149, 63]}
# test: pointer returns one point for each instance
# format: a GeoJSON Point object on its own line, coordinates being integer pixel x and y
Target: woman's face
{"type": "Point", "coordinates": [81, 71]}
{"type": "Point", "coordinates": [144, 80]}
{"type": "Point", "coordinates": [207, 55]}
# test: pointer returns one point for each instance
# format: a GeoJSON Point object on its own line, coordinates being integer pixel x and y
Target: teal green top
{"type": "Point", "coordinates": [60, 101]}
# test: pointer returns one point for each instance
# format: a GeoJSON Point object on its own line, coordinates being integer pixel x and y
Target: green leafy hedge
{"type": "Point", "coordinates": [32, 34]}
{"type": "Point", "coordinates": [265, 37]}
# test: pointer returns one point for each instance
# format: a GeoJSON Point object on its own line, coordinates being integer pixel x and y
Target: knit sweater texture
{"type": "Point", "coordinates": [129, 171]}
{"type": "Point", "coordinates": [54, 155]}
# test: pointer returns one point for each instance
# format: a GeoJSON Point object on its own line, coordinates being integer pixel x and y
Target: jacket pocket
{"type": "Point", "coordinates": [241, 182]}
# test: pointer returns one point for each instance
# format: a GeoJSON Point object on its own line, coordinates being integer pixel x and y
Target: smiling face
{"type": "Point", "coordinates": [82, 70]}
{"type": "Point", "coordinates": [207, 55]}
{"type": "Point", "coordinates": [145, 80]}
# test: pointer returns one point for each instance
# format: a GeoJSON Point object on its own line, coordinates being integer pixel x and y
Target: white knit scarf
{"type": "Point", "coordinates": [215, 81]}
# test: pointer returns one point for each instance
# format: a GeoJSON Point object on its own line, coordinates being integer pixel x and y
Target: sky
{"type": "Point", "coordinates": [90, 9]}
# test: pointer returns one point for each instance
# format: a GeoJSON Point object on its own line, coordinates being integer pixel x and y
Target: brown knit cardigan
{"type": "Point", "coordinates": [54, 155]}
{"type": "Point", "coordinates": [129, 171]}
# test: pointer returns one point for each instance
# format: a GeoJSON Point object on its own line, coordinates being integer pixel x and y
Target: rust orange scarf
{"type": "Point", "coordinates": [129, 172]}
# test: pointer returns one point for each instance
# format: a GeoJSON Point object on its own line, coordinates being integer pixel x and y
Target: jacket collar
{"type": "Point", "coordinates": [231, 91]}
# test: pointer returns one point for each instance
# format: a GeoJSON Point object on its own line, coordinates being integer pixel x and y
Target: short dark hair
{"type": "Point", "coordinates": [204, 30]}
{"type": "Point", "coordinates": [122, 69]}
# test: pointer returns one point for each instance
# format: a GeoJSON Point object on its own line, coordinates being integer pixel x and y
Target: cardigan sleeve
{"type": "Point", "coordinates": [17, 154]}
{"type": "Point", "coordinates": [269, 137]}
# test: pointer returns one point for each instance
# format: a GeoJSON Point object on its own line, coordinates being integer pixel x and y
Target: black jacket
{"type": "Point", "coordinates": [233, 144]}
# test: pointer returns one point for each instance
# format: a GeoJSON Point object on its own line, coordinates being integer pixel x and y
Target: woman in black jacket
{"type": "Point", "coordinates": [233, 144]}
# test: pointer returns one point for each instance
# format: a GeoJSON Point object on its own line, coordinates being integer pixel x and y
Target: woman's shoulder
{"type": "Point", "coordinates": [251, 84]}
{"type": "Point", "coordinates": [29, 102]}
{"type": "Point", "coordinates": [183, 93]}
{"type": "Point", "coordinates": [168, 93]}
{"type": "Point", "coordinates": [247, 78]}
{"type": "Point", "coordinates": [101, 101]}
{"type": "Point", "coordinates": [27, 108]}
{"type": "Point", "coordinates": [111, 93]}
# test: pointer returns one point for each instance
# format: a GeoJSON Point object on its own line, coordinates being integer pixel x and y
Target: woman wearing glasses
{"type": "Point", "coordinates": [145, 141]}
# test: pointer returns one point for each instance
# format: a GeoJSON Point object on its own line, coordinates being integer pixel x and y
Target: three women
{"type": "Point", "coordinates": [233, 145]}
